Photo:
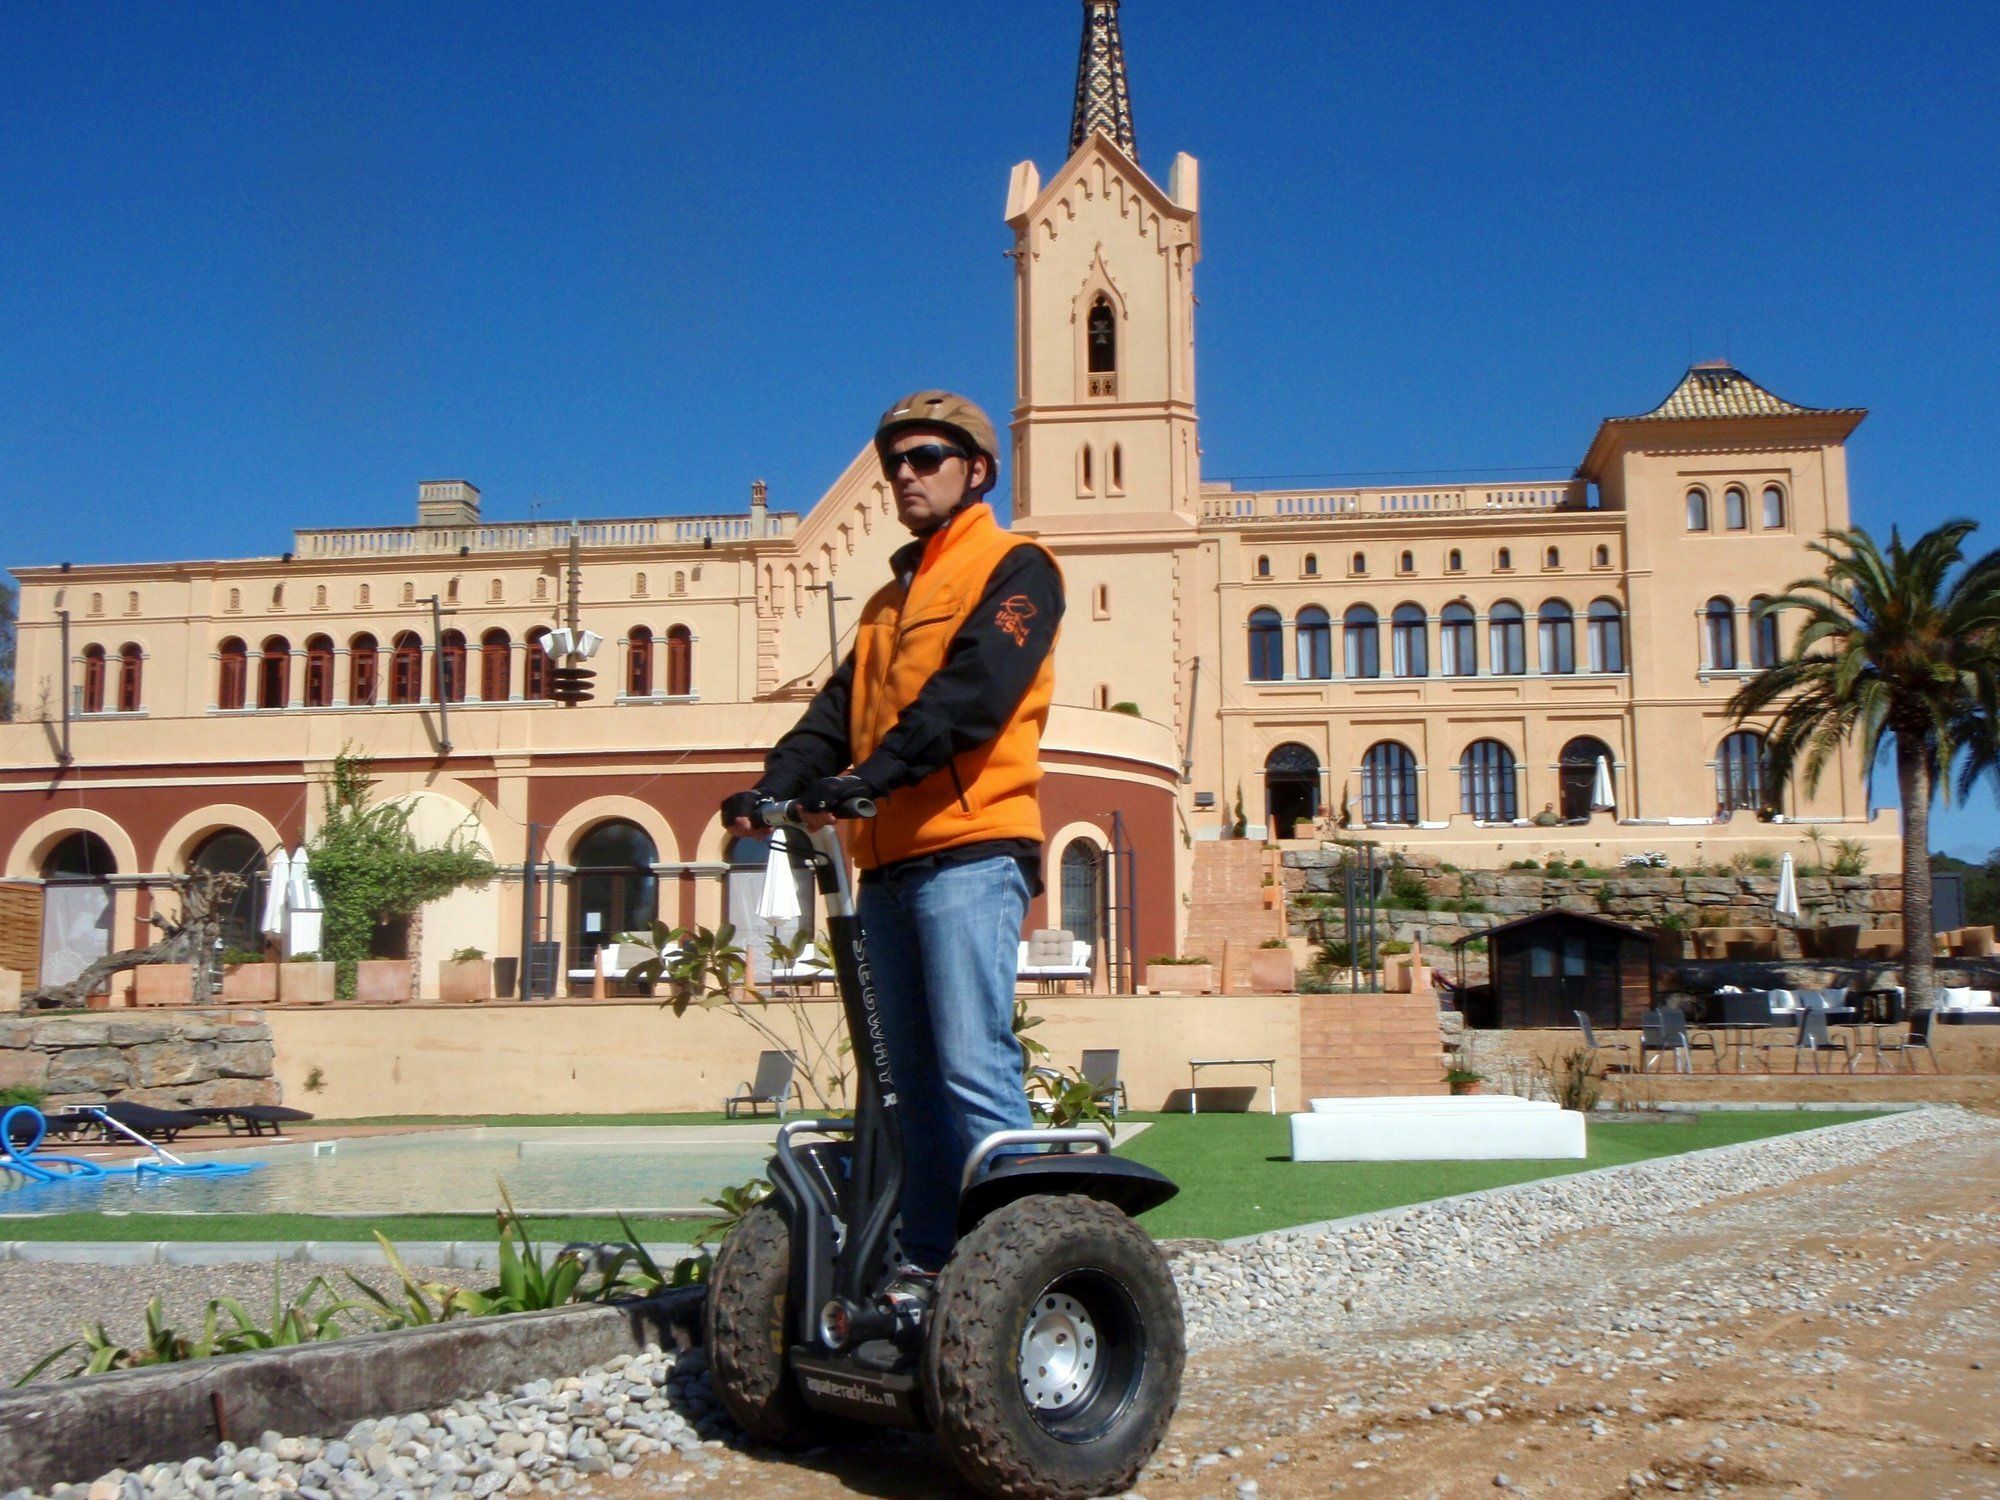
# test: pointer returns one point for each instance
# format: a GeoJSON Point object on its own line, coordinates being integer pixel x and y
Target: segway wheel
{"type": "Point", "coordinates": [745, 1326]}
{"type": "Point", "coordinates": [1054, 1360]}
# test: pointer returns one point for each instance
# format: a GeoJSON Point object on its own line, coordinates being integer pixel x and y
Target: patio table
{"type": "Point", "coordinates": [1737, 1034]}
{"type": "Point", "coordinates": [1196, 1064]}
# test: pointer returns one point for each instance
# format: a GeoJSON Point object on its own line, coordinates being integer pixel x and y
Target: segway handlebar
{"type": "Point", "coordinates": [777, 812]}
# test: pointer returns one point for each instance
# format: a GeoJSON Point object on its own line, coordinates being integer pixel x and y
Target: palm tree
{"type": "Point", "coordinates": [1897, 649]}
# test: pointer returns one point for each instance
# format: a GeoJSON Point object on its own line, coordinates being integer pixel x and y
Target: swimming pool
{"type": "Point", "coordinates": [557, 1169]}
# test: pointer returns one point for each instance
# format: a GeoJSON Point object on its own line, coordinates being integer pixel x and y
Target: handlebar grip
{"type": "Point", "coordinates": [774, 813]}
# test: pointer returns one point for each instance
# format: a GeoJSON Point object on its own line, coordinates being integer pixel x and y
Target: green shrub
{"type": "Point", "coordinates": [21, 1093]}
{"type": "Point", "coordinates": [1126, 708]}
{"type": "Point", "coordinates": [1408, 889]}
{"type": "Point", "coordinates": [1525, 864]}
{"type": "Point", "coordinates": [468, 955]}
{"type": "Point", "coordinates": [231, 957]}
{"type": "Point", "coordinates": [311, 956]}
{"type": "Point", "coordinates": [1394, 945]}
{"type": "Point", "coordinates": [1851, 857]}
{"type": "Point", "coordinates": [1336, 953]}
{"type": "Point", "coordinates": [1166, 959]}
{"type": "Point", "coordinates": [1274, 943]}
{"type": "Point", "coordinates": [1315, 981]}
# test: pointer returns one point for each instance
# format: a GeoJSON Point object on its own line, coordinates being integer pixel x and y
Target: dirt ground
{"type": "Point", "coordinates": [1836, 1337]}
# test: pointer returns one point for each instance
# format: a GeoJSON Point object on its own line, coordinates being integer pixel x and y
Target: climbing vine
{"type": "Point", "coordinates": [370, 868]}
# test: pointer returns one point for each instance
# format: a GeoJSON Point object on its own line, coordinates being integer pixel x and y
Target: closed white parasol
{"type": "Point", "coordinates": [1601, 796]}
{"type": "Point", "coordinates": [1788, 889]}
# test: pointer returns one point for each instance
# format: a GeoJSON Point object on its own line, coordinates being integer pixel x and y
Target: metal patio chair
{"type": "Point", "coordinates": [1810, 1037]}
{"type": "Point", "coordinates": [1916, 1038]}
{"type": "Point", "coordinates": [1593, 1044]}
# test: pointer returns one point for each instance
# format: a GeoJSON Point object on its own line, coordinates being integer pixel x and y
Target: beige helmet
{"type": "Point", "coordinates": [956, 415]}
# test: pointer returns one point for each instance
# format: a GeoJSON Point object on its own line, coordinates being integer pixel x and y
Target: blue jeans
{"type": "Point", "coordinates": [942, 945]}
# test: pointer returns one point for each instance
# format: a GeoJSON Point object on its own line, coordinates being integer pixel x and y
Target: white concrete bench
{"type": "Point", "coordinates": [1471, 1127]}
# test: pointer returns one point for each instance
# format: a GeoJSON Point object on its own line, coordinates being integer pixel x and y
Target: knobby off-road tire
{"type": "Point", "coordinates": [1054, 1263]}
{"type": "Point", "coordinates": [745, 1325]}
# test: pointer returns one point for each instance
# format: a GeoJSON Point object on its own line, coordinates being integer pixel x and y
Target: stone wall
{"type": "Point", "coordinates": [172, 1062]}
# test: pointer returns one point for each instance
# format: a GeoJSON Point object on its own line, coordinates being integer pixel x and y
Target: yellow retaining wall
{"type": "Point", "coordinates": [608, 1057]}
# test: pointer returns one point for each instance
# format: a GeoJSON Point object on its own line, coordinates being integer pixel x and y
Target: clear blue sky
{"type": "Point", "coordinates": [269, 265]}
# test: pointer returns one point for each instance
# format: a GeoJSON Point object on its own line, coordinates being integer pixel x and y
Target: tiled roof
{"type": "Point", "coordinates": [1719, 390]}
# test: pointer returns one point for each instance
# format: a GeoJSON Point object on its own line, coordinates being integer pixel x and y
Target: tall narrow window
{"type": "Point", "coordinates": [1553, 558]}
{"type": "Point", "coordinates": [1358, 564]}
{"type": "Point", "coordinates": [1697, 509]}
{"type": "Point", "coordinates": [1263, 567]}
{"type": "Point", "coordinates": [1407, 563]}
{"type": "Point", "coordinates": [1739, 772]}
{"type": "Point", "coordinates": [1267, 646]}
{"type": "Point", "coordinates": [319, 671]}
{"type": "Point", "coordinates": [1361, 631]}
{"type": "Point", "coordinates": [1312, 565]}
{"type": "Point", "coordinates": [496, 665]}
{"type": "Point", "coordinates": [1409, 642]}
{"type": "Point", "coordinates": [1101, 332]}
{"type": "Point", "coordinates": [535, 671]}
{"type": "Point", "coordinates": [364, 671]}
{"type": "Point", "coordinates": [1116, 481]}
{"type": "Point", "coordinates": [448, 675]}
{"type": "Point", "coordinates": [1607, 636]}
{"type": "Point", "coordinates": [274, 673]}
{"type": "Point", "coordinates": [1454, 561]}
{"type": "Point", "coordinates": [1764, 649]}
{"type": "Point", "coordinates": [1506, 639]}
{"type": "Point", "coordinates": [1389, 784]}
{"type": "Point", "coordinates": [639, 663]}
{"type": "Point", "coordinates": [1557, 642]}
{"type": "Point", "coordinates": [1486, 783]}
{"type": "Point", "coordinates": [1601, 558]}
{"type": "Point", "coordinates": [1735, 509]}
{"type": "Point", "coordinates": [1774, 508]}
{"type": "Point", "coordinates": [1458, 641]}
{"type": "Point", "coordinates": [1314, 632]}
{"type": "Point", "coordinates": [131, 663]}
{"type": "Point", "coordinates": [93, 679]}
{"type": "Point", "coordinates": [1503, 559]}
{"type": "Point", "coordinates": [680, 662]}
{"type": "Point", "coordinates": [1719, 631]}
{"type": "Point", "coordinates": [406, 669]}
{"type": "Point", "coordinates": [1085, 477]}
{"type": "Point", "coordinates": [233, 673]}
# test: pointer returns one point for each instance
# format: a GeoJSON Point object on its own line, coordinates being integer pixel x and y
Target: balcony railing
{"type": "Point", "coordinates": [539, 536]}
{"type": "Point", "coordinates": [1232, 507]}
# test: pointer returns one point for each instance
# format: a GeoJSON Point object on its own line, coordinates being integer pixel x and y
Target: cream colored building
{"type": "Point", "coordinates": [1433, 666]}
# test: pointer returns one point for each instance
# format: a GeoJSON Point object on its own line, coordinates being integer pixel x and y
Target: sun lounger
{"type": "Point", "coordinates": [773, 1086]}
{"type": "Point", "coordinates": [256, 1119]}
{"type": "Point", "coordinates": [144, 1119]}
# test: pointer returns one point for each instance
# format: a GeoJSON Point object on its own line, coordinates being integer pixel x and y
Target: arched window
{"type": "Point", "coordinates": [1719, 633]}
{"type": "Point", "coordinates": [1553, 558]}
{"type": "Point", "coordinates": [1506, 639]}
{"type": "Point", "coordinates": [451, 591]}
{"type": "Point", "coordinates": [1312, 565]}
{"type": "Point", "coordinates": [1116, 480]}
{"type": "Point", "coordinates": [1454, 561]}
{"type": "Point", "coordinates": [1774, 508]}
{"type": "Point", "coordinates": [361, 597]}
{"type": "Point", "coordinates": [1458, 641]}
{"type": "Point", "coordinates": [1361, 633]}
{"type": "Point", "coordinates": [319, 596]}
{"type": "Point", "coordinates": [409, 593]}
{"type": "Point", "coordinates": [1486, 786]}
{"type": "Point", "coordinates": [1607, 636]}
{"type": "Point", "coordinates": [1314, 632]}
{"type": "Point", "coordinates": [1557, 637]}
{"type": "Point", "coordinates": [1267, 646]}
{"type": "Point", "coordinates": [639, 662]}
{"type": "Point", "coordinates": [1103, 333]}
{"type": "Point", "coordinates": [1503, 559]}
{"type": "Point", "coordinates": [97, 604]}
{"type": "Point", "coordinates": [1085, 481]}
{"type": "Point", "coordinates": [1739, 772]}
{"type": "Point", "coordinates": [743, 893]}
{"type": "Point", "coordinates": [1735, 510]}
{"type": "Point", "coordinates": [614, 889]}
{"type": "Point", "coordinates": [1263, 567]}
{"type": "Point", "coordinates": [680, 662]}
{"type": "Point", "coordinates": [1584, 783]}
{"type": "Point", "coordinates": [1389, 784]}
{"type": "Point", "coordinates": [274, 673]}
{"type": "Point", "coordinates": [680, 583]}
{"type": "Point", "coordinates": [1358, 564]}
{"type": "Point", "coordinates": [93, 679]}
{"type": "Point", "coordinates": [535, 671]}
{"type": "Point", "coordinates": [1764, 647]}
{"type": "Point", "coordinates": [638, 585]}
{"type": "Point", "coordinates": [1291, 789]}
{"type": "Point", "coordinates": [364, 672]}
{"type": "Point", "coordinates": [231, 851]}
{"type": "Point", "coordinates": [131, 664]}
{"type": "Point", "coordinates": [496, 665]}
{"type": "Point", "coordinates": [319, 671]}
{"type": "Point", "coordinates": [1407, 563]}
{"type": "Point", "coordinates": [493, 591]}
{"type": "Point", "coordinates": [1409, 641]}
{"type": "Point", "coordinates": [448, 673]}
{"type": "Point", "coordinates": [1083, 892]}
{"type": "Point", "coordinates": [235, 601]}
{"type": "Point", "coordinates": [1100, 601]}
{"type": "Point", "coordinates": [1697, 509]}
{"type": "Point", "coordinates": [77, 906]}
{"type": "Point", "coordinates": [406, 669]}
{"type": "Point", "coordinates": [1601, 558]}
{"type": "Point", "coordinates": [233, 675]}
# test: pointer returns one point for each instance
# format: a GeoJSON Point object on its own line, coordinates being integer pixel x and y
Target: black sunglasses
{"type": "Point", "coordinates": [924, 459]}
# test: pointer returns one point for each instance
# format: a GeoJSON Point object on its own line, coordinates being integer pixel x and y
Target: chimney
{"type": "Point", "coordinates": [759, 494]}
{"type": "Point", "coordinates": [447, 502]}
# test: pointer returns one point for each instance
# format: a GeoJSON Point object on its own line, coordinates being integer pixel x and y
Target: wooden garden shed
{"type": "Point", "coordinates": [1549, 966]}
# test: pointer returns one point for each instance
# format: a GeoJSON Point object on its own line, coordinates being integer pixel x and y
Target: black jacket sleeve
{"type": "Point", "coordinates": [817, 745]}
{"type": "Point", "coordinates": [988, 668]}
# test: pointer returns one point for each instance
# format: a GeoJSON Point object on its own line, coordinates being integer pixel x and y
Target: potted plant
{"type": "Point", "coordinates": [1272, 968]}
{"type": "Point", "coordinates": [306, 979]}
{"type": "Point", "coordinates": [247, 979]}
{"type": "Point", "coordinates": [1167, 975]}
{"type": "Point", "coordinates": [163, 984]}
{"type": "Point", "coordinates": [466, 977]}
{"type": "Point", "coordinates": [382, 981]}
{"type": "Point", "coordinates": [1464, 1081]}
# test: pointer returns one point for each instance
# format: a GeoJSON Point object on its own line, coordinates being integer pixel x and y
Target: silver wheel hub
{"type": "Point", "coordinates": [1058, 1352]}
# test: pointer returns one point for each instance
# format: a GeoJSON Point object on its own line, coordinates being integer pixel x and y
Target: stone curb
{"type": "Point", "coordinates": [1328, 1226]}
{"type": "Point", "coordinates": [50, 1434]}
{"type": "Point", "coordinates": [448, 1255]}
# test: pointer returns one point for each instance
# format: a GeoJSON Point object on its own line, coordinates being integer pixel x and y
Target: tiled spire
{"type": "Point", "coordinates": [1103, 105]}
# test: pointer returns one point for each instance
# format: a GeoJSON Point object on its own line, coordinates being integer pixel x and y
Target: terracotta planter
{"type": "Point", "coordinates": [465, 981]}
{"type": "Point", "coordinates": [1272, 971]}
{"type": "Point", "coordinates": [163, 984]}
{"type": "Point", "coordinates": [1181, 979]}
{"type": "Point", "coordinates": [310, 983]}
{"type": "Point", "coordinates": [382, 981]}
{"type": "Point", "coordinates": [1459, 1089]}
{"type": "Point", "coordinates": [250, 984]}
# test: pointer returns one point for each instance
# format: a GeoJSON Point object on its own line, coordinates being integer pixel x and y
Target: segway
{"type": "Point", "coordinates": [1050, 1362]}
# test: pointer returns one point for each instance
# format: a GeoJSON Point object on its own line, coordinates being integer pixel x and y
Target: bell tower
{"type": "Point", "coordinates": [1104, 414]}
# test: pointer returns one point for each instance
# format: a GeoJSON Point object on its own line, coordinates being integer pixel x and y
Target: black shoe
{"type": "Point", "coordinates": [909, 1297]}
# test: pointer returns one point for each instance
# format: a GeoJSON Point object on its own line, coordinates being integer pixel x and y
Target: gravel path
{"type": "Point", "coordinates": [1430, 1335]}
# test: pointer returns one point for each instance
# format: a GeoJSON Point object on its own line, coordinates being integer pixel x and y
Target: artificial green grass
{"type": "Point", "coordinates": [518, 1122]}
{"type": "Point", "coordinates": [399, 1228]}
{"type": "Point", "coordinates": [1237, 1177]}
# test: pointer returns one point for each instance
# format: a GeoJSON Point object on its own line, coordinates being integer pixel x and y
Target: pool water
{"type": "Point", "coordinates": [570, 1170]}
